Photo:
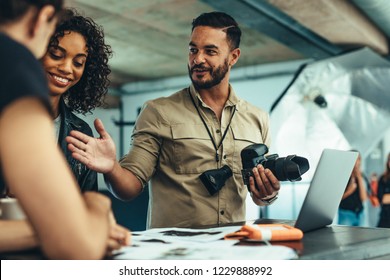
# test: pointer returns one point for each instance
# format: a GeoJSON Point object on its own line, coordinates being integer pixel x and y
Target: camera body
{"type": "Point", "coordinates": [288, 168]}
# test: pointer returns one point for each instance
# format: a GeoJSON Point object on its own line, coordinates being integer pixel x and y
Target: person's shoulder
{"type": "Point", "coordinates": [21, 73]}
{"type": "Point", "coordinates": [17, 60]}
{"type": "Point", "coordinates": [11, 50]}
{"type": "Point", "coordinates": [9, 47]}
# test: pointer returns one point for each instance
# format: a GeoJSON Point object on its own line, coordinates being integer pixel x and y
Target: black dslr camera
{"type": "Point", "coordinates": [286, 168]}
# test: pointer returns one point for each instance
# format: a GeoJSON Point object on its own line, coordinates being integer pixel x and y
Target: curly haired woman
{"type": "Point", "coordinates": [76, 65]}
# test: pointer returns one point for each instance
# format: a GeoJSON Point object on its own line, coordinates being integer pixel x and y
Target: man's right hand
{"type": "Point", "coordinates": [98, 154]}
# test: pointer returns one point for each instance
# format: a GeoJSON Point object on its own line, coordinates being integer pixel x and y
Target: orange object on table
{"type": "Point", "coordinates": [266, 232]}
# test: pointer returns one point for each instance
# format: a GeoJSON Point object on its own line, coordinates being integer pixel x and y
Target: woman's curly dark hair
{"type": "Point", "coordinates": [88, 93]}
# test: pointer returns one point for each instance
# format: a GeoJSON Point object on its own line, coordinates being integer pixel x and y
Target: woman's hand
{"type": "Point", "coordinates": [118, 236]}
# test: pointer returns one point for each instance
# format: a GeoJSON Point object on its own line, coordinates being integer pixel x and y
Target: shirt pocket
{"type": "Point", "coordinates": [192, 149]}
{"type": "Point", "coordinates": [243, 137]}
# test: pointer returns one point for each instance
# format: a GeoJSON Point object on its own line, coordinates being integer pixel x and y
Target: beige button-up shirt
{"type": "Point", "coordinates": [171, 148]}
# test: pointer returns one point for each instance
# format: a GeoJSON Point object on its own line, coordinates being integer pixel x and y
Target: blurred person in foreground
{"type": "Point", "coordinates": [64, 223]}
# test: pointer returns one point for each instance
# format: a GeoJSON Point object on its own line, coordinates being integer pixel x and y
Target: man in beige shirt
{"type": "Point", "coordinates": [177, 138]}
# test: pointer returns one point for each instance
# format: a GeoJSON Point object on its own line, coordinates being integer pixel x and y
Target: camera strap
{"type": "Point", "coordinates": [208, 131]}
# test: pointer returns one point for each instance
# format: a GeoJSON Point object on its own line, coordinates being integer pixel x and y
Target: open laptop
{"type": "Point", "coordinates": [326, 189]}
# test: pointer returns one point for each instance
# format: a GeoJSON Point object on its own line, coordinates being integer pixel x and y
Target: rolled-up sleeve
{"type": "Point", "coordinates": [146, 141]}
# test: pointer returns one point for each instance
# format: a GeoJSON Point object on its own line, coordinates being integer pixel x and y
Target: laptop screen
{"type": "Point", "coordinates": [326, 189]}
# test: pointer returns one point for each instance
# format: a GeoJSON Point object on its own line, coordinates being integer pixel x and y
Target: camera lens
{"type": "Point", "coordinates": [215, 179]}
{"type": "Point", "coordinates": [288, 168]}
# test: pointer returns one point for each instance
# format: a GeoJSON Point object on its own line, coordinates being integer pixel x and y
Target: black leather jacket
{"type": "Point", "coordinates": [86, 178]}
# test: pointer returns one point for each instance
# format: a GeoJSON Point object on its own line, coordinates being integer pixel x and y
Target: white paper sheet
{"type": "Point", "coordinates": [186, 234]}
{"type": "Point", "coordinates": [197, 244]}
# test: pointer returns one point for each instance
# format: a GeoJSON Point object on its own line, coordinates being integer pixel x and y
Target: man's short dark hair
{"type": "Point", "coordinates": [223, 21]}
{"type": "Point", "coordinates": [11, 10]}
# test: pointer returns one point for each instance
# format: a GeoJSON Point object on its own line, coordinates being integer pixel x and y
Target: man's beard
{"type": "Point", "coordinates": [217, 76]}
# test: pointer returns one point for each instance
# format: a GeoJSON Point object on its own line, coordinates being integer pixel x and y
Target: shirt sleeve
{"type": "Point", "coordinates": [265, 132]}
{"type": "Point", "coordinates": [146, 141]}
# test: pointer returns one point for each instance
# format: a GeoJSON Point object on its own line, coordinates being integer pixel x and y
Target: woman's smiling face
{"type": "Point", "coordinates": [64, 64]}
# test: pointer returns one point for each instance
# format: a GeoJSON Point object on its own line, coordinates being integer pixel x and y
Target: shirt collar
{"type": "Point", "coordinates": [232, 100]}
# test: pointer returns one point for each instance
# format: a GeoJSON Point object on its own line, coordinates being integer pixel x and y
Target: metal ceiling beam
{"type": "Point", "coordinates": [267, 19]}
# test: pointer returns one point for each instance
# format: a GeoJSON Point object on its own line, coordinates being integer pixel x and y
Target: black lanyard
{"type": "Point", "coordinates": [208, 131]}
